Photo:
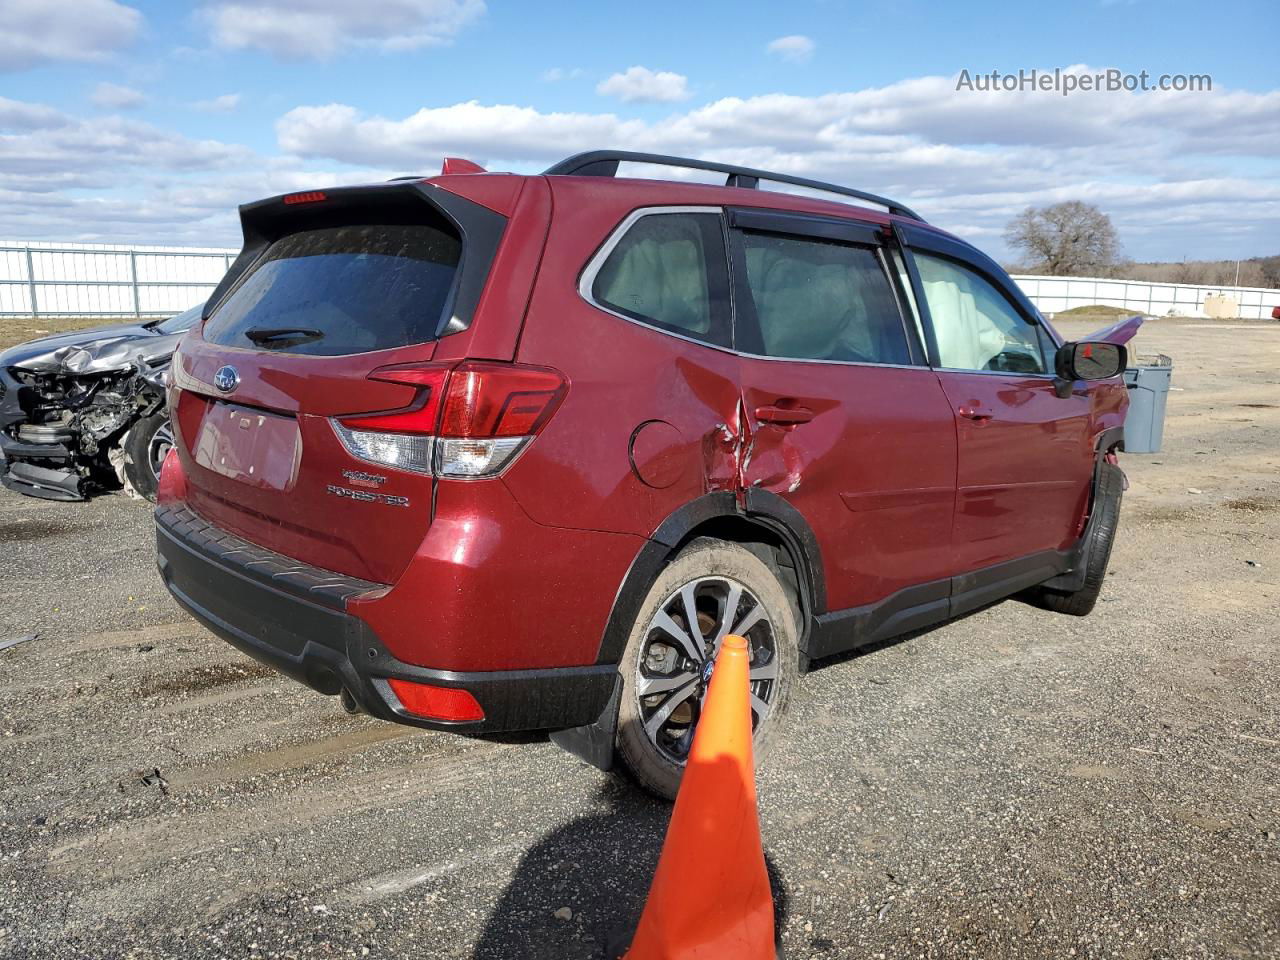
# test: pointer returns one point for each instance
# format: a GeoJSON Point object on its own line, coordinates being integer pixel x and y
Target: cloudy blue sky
{"type": "Point", "coordinates": [149, 121]}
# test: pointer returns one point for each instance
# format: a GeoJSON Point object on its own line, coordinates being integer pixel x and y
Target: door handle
{"type": "Point", "coordinates": [783, 416]}
{"type": "Point", "coordinates": [971, 411]}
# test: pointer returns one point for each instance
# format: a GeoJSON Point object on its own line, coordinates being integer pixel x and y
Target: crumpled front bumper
{"type": "Point", "coordinates": [18, 473]}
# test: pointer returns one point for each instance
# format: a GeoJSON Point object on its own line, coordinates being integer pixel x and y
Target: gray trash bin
{"type": "Point", "coordinates": [1148, 384]}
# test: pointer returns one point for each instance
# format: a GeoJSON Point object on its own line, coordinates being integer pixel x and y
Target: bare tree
{"type": "Point", "coordinates": [1193, 272]}
{"type": "Point", "coordinates": [1270, 267]}
{"type": "Point", "coordinates": [1066, 239]}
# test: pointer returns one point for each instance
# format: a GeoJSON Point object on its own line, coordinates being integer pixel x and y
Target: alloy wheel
{"type": "Point", "coordinates": [159, 447]}
{"type": "Point", "coordinates": [678, 654]}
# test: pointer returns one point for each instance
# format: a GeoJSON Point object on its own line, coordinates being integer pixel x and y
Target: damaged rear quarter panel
{"type": "Point", "coordinates": [592, 466]}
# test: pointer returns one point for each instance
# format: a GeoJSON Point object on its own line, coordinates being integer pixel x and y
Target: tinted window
{"type": "Point", "coordinates": [975, 326]}
{"type": "Point", "coordinates": [669, 270]}
{"type": "Point", "coordinates": [342, 290]}
{"type": "Point", "coordinates": [817, 300]}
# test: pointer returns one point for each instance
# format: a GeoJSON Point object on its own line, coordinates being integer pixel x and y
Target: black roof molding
{"type": "Point", "coordinates": [604, 163]}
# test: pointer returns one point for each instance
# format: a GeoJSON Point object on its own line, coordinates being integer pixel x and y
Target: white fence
{"type": "Point", "coordinates": [102, 280]}
{"type": "Point", "coordinates": [1054, 294]}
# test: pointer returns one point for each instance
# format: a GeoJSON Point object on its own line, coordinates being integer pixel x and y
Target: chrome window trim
{"type": "Point", "coordinates": [1047, 377]}
{"type": "Point", "coordinates": [842, 363]}
{"type": "Point", "coordinates": [587, 279]}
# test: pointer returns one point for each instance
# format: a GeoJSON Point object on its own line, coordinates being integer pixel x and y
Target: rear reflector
{"type": "Point", "coordinates": [311, 196]}
{"type": "Point", "coordinates": [172, 485]}
{"type": "Point", "coordinates": [466, 421]}
{"type": "Point", "coordinates": [437, 703]}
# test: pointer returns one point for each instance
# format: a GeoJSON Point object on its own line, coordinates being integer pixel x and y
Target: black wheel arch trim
{"type": "Point", "coordinates": [1077, 570]}
{"type": "Point", "coordinates": [764, 509]}
{"type": "Point", "coordinates": [1109, 439]}
{"type": "Point", "coordinates": [594, 742]}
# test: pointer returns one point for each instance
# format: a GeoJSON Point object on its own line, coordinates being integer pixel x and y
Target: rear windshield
{"type": "Point", "coordinates": [338, 290]}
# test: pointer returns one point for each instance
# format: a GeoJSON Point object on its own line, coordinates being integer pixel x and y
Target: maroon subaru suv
{"type": "Point", "coordinates": [486, 452]}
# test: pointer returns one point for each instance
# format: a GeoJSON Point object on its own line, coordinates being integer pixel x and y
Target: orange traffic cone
{"type": "Point", "coordinates": [710, 896]}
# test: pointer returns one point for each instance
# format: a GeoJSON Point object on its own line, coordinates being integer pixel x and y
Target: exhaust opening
{"type": "Point", "coordinates": [349, 702]}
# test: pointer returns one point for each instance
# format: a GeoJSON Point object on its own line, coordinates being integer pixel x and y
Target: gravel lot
{"type": "Point", "coordinates": [1015, 784]}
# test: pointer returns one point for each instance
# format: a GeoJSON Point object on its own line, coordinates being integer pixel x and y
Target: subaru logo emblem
{"type": "Point", "coordinates": [226, 379]}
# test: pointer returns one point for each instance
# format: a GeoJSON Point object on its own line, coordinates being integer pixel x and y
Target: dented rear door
{"type": "Point", "coordinates": [842, 418]}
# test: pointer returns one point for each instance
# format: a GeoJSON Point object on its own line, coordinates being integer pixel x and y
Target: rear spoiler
{"type": "Point", "coordinates": [409, 201]}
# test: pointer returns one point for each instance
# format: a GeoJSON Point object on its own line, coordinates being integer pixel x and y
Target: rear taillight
{"type": "Point", "coordinates": [404, 451]}
{"type": "Point", "coordinates": [471, 420]}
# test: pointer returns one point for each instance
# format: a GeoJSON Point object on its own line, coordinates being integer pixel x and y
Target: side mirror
{"type": "Point", "coordinates": [1090, 360]}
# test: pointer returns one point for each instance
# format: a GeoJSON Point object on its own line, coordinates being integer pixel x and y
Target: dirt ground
{"type": "Point", "coordinates": [21, 329]}
{"type": "Point", "coordinates": [1014, 784]}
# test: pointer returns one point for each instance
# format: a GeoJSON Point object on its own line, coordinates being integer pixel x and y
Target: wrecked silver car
{"type": "Point", "coordinates": [84, 412]}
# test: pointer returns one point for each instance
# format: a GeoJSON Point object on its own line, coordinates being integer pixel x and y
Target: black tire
{"type": "Point", "coordinates": [144, 446]}
{"type": "Point", "coordinates": [650, 744]}
{"type": "Point", "coordinates": [1079, 603]}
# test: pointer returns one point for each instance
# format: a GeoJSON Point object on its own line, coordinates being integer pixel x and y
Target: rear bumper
{"type": "Point", "coordinates": [294, 618]}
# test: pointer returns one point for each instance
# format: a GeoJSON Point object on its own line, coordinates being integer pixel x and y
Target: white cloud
{"type": "Point", "coordinates": [220, 104]}
{"type": "Point", "coordinates": [968, 161]}
{"type": "Point", "coordinates": [34, 32]}
{"type": "Point", "coordinates": [36, 140]}
{"type": "Point", "coordinates": [556, 74]}
{"type": "Point", "coordinates": [113, 96]}
{"type": "Point", "coordinates": [118, 179]}
{"type": "Point", "coordinates": [320, 29]}
{"type": "Point", "coordinates": [1192, 174]}
{"type": "Point", "coordinates": [341, 132]}
{"type": "Point", "coordinates": [796, 48]}
{"type": "Point", "coordinates": [642, 85]}
{"type": "Point", "coordinates": [17, 115]}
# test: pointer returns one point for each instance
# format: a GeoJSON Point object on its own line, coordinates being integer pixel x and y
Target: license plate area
{"type": "Point", "coordinates": [253, 447]}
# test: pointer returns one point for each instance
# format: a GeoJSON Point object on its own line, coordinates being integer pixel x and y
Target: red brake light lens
{"type": "Point", "coordinates": [499, 400]}
{"type": "Point", "coordinates": [469, 420]}
{"type": "Point", "coordinates": [310, 196]}
{"type": "Point", "coordinates": [421, 416]}
{"type": "Point", "coordinates": [437, 703]}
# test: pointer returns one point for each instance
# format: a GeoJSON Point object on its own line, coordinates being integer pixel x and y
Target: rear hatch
{"type": "Point", "coordinates": [271, 392]}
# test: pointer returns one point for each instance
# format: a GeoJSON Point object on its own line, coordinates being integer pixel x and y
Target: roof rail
{"type": "Point", "coordinates": [604, 163]}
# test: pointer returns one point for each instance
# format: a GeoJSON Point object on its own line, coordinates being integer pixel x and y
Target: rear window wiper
{"type": "Point", "coordinates": [282, 336]}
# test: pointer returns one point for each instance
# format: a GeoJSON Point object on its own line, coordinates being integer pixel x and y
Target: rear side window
{"type": "Point", "coordinates": [669, 271]}
{"type": "Point", "coordinates": [818, 300]}
{"type": "Point", "coordinates": [343, 289]}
